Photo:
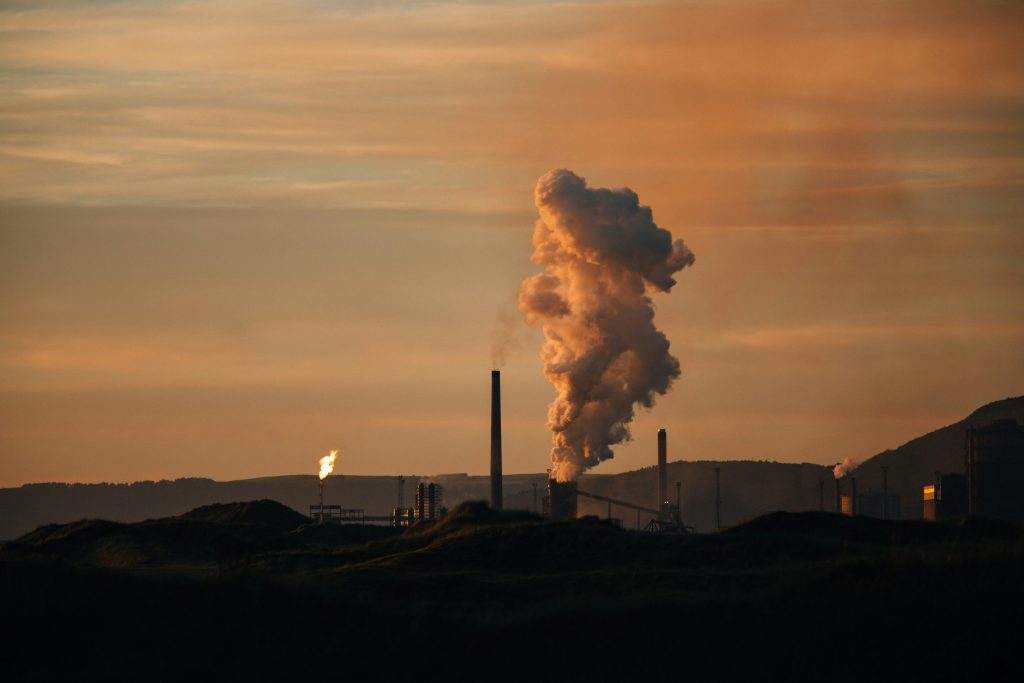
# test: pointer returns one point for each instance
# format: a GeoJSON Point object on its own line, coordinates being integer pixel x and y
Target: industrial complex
{"type": "Point", "coordinates": [989, 485]}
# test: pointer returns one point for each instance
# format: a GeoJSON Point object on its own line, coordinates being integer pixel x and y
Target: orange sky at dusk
{"type": "Point", "coordinates": [234, 236]}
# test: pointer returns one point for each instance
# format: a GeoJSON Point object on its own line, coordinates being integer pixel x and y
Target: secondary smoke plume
{"type": "Point", "coordinates": [845, 467]}
{"type": "Point", "coordinates": [504, 338]}
{"type": "Point", "coordinates": [327, 464]}
{"type": "Point", "coordinates": [602, 254]}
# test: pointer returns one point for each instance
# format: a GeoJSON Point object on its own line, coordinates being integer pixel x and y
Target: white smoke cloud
{"type": "Point", "coordinates": [602, 254]}
{"type": "Point", "coordinates": [845, 467]}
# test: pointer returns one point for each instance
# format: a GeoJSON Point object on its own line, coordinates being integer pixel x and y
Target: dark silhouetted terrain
{"type": "Point", "coordinates": [748, 488]}
{"type": "Point", "coordinates": [914, 464]}
{"type": "Point", "coordinates": [252, 591]}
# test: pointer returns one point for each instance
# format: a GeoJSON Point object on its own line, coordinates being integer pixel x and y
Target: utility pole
{"type": "Point", "coordinates": [718, 500]}
{"type": "Point", "coordinates": [885, 493]}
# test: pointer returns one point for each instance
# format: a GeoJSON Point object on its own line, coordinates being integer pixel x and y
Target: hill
{"type": "Point", "coordinates": [748, 488]}
{"type": "Point", "coordinates": [914, 464]}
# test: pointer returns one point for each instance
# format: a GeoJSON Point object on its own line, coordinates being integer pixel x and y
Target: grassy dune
{"type": "Point", "coordinates": [253, 592]}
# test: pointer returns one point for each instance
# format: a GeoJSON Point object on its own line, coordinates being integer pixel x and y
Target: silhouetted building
{"type": "Point", "coordinates": [879, 505]}
{"type": "Point", "coordinates": [335, 514]}
{"type": "Point", "coordinates": [561, 501]}
{"type": "Point", "coordinates": [846, 505]}
{"type": "Point", "coordinates": [403, 516]}
{"type": "Point", "coordinates": [946, 498]}
{"type": "Point", "coordinates": [428, 502]}
{"type": "Point", "coordinates": [995, 470]}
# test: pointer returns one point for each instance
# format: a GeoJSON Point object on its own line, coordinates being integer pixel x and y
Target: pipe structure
{"type": "Point", "coordinates": [662, 469]}
{"type": "Point", "coordinates": [615, 501]}
{"type": "Point", "coordinates": [495, 439]}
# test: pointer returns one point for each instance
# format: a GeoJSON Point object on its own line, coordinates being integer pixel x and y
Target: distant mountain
{"type": "Point", "coordinates": [748, 488]}
{"type": "Point", "coordinates": [914, 464]}
{"type": "Point", "coordinates": [27, 507]}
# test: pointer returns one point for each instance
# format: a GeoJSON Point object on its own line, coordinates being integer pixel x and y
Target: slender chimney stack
{"type": "Point", "coordinates": [853, 496]}
{"type": "Point", "coordinates": [495, 439]}
{"type": "Point", "coordinates": [839, 495]}
{"type": "Point", "coordinates": [321, 501]}
{"type": "Point", "coordinates": [662, 469]}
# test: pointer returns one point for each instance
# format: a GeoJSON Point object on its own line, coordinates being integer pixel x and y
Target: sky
{"type": "Point", "coordinates": [234, 236]}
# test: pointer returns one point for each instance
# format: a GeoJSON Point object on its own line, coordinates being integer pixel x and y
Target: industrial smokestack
{"type": "Point", "coordinates": [662, 469]}
{"type": "Point", "coordinates": [853, 496]}
{"type": "Point", "coordinates": [495, 439]}
{"type": "Point", "coordinates": [839, 495]}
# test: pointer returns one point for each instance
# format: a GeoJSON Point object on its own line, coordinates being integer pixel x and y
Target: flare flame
{"type": "Point", "coordinates": [327, 464]}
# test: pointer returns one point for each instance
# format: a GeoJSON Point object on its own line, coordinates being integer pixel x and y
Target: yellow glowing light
{"type": "Point", "coordinates": [327, 464]}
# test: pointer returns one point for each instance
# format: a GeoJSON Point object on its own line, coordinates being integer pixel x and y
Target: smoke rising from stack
{"type": "Point", "coordinates": [847, 466]}
{"type": "Point", "coordinates": [602, 254]}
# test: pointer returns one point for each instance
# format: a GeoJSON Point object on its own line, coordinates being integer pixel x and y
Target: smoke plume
{"type": "Point", "coordinates": [505, 339]}
{"type": "Point", "coordinates": [602, 254]}
{"type": "Point", "coordinates": [845, 467]}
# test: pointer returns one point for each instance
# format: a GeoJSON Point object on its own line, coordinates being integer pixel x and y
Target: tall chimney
{"type": "Point", "coordinates": [839, 496]}
{"type": "Point", "coordinates": [662, 469]}
{"type": "Point", "coordinates": [853, 496]}
{"type": "Point", "coordinates": [495, 439]}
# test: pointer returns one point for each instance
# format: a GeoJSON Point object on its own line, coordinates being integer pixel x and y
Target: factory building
{"type": "Point", "coordinates": [995, 470]}
{"type": "Point", "coordinates": [946, 498]}
{"type": "Point", "coordinates": [335, 514]}
{"type": "Point", "coordinates": [561, 501]}
{"type": "Point", "coordinates": [429, 502]}
{"type": "Point", "coordinates": [846, 505]}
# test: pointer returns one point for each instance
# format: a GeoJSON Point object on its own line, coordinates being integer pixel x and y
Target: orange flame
{"type": "Point", "coordinates": [327, 464]}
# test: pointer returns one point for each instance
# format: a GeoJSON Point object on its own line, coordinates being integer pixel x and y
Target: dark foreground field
{"type": "Point", "coordinates": [251, 592]}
